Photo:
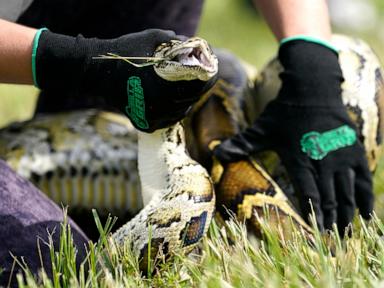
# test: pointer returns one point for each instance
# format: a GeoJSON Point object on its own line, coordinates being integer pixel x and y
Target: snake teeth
{"type": "Point", "coordinates": [193, 57]}
{"type": "Point", "coordinates": [190, 57]}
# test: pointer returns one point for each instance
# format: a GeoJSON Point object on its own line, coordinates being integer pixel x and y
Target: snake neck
{"type": "Point", "coordinates": [156, 153]}
{"type": "Point", "coordinates": [177, 194]}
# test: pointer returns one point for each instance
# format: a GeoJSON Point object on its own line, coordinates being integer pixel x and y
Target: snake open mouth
{"type": "Point", "coordinates": [186, 60]}
{"type": "Point", "coordinates": [193, 57]}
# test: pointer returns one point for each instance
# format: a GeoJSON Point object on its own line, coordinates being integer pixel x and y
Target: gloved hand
{"type": "Point", "coordinates": [67, 63]}
{"type": "Point", "coordinates": [308, 126]}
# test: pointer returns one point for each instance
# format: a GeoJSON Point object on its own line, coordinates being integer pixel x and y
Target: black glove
{"type": "Point", "coordinates": [308, 126]}
{"type": "Point", "coordinates": [67, 63]}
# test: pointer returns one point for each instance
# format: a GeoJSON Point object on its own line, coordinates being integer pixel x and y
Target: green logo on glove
{"type": "Point", "coordinates": [317, 145]}
{"type": "Point", "coordinates": [136, 105]}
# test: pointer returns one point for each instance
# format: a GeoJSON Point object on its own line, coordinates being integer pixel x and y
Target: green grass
{"type": "Point", "coordinates": [227, 257]}
{"type": "Point", "coordinates": [359, 260]}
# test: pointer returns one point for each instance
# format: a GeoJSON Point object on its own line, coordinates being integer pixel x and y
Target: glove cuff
{"type": "Point", "coordinates": [312, 75]}
{"type": "Point", "coordinates": [35, 45]}
{"type": "Point", "coordinates": [59, 61]}
{"type": "Point", "coordinates": [311, 39]}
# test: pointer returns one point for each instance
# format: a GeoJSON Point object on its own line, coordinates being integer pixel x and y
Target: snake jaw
{"type": "Point", "coordinates": [192, 59]}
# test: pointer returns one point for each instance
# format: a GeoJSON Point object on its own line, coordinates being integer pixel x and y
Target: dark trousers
{"type": "Point", "coordinates": [26, 216]}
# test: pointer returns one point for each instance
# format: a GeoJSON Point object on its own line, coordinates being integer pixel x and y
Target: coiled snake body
{"type": "Point", "coordinates": [246, 187]}
{"type": "Point", "coordinates": [88, 158]}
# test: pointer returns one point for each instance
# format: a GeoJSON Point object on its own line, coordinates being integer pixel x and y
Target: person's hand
{"type": "Point", "coordinates": [308, 126]}
{"type": "Point", "coordinates": [68, 63]}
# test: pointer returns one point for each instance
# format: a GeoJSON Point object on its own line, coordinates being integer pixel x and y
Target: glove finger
{"type": "Point", "coordinates": [188, 100]}
{"type": "Point", "coordinates": [345, 193]}
{"type": "Point", "coordinates": [240, 146]}
{"type": "Point", "coordinates": [309, 196]}
{"type": "Point", "coordinates": [364, 190]}
{"type": "Point", "coordinates": [182, 37]}
{"type": "Point", "coordinates": [328, 200]}
{"type": "Point", "coordinates": [161, 35]}
{"type": "Point", "coordinates": [177, 109]}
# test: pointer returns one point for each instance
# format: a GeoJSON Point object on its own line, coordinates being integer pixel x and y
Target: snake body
{"type": "Point", "coordinates": [83, 158]}
{"type": "Point", "coordinates": [177, 192]}
{"type": "Point", "coordinates": [181, 207]}
{"type": "Point", "coordinates": [88, 158]}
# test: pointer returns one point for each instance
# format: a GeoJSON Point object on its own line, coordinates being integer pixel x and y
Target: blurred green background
{"type": "Point", "coordinates": [236, 25]}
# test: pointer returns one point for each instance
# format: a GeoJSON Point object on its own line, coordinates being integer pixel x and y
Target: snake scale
{"type": "Point", "coordinates": [88, 158]}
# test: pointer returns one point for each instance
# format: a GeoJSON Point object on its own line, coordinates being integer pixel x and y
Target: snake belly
{"type": "Point", "coordinates": [178, 194]}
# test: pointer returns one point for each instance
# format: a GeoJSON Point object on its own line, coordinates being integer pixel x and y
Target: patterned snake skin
{"type": "Point", "coordinates": [89, 158]}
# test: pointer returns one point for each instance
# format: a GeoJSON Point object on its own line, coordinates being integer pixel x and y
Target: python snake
{"type": "Point", "coordinates": [247, 187]}
{"type": "Point", "coordinates": [88, 158]}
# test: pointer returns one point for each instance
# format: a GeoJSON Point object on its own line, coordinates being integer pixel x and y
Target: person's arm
{"type": "Point", "coordinates": [15, 53]}
{"type": "Point", "coordinates": [288, 18]}
{"type": "Point", "coordinates": [54, 61]}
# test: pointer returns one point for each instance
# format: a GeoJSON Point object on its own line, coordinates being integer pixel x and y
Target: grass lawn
{"type": "Point", "coordinates": [228, 257]}
{"type": "Point", "coordinates": [358, 261]}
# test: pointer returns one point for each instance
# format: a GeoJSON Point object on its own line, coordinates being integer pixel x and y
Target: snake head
{"type": "Point", "coordinates": [186, 60]}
